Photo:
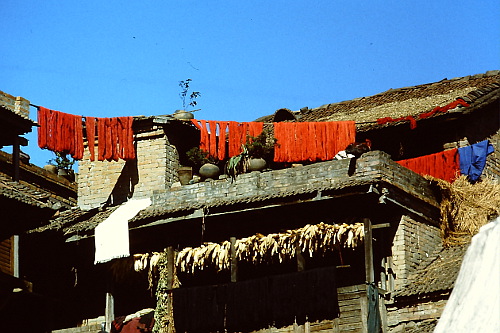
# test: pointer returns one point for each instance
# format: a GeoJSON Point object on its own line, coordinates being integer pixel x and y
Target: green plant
{"type": "Point", "coordinates": [197, 157]}
{"type": "Point", "coordinates": [185, 94]}
{"type": "Point", "coordinates": [260, 146]}
{"type": "Point", "coordinates": [62, 161]}
{"type": "Point", "coordinates": [255, 147]}
{"type": "Point", "coordinates": [237, 164]}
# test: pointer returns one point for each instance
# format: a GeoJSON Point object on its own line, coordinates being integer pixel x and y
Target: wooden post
{"type": "Point", "coordinates": [16, 153]}
{"type": "Point", "coordinates": [383, 276]}
{"type": "Point", "coordinates": [234, 260]}
{"type": "Point", "coordinates": [370, 274]}
{"type": "Point", "coordinates": [391, 274]}
{"type": "Point", "coordinates": [301, 261]}
{"type": "Point", "coordinates": [170, 267]}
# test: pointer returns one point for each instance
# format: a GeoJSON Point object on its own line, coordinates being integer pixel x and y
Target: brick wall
{"type": "Point", "coordinates": [413, 242]}
{"type": "Point", "coordinates": [155, 169]}
{"type": "Point", "coordinates": [18, 104]}
{"type": "Point", "coordinates": [371, 167]}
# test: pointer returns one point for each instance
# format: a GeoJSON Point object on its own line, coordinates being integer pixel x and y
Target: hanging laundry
{"type": "Point", "coordinates": [473, 159]}
{"type": "Point", "coordinates": [60, 132]}
{"type": "Point", "coordinates": [213, 136]}
{"type": "Point", "coordinates": [443, 165]}
{"type": "Point", "coordinates": [312, 141]}
{"type": "Point", "coordinates": [374, 321]}
{"type": "Point", "coordinates": [112, 235]}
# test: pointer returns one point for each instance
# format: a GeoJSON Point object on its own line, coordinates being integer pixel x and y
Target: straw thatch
{"type": "Point", "coordinates": [466, 207]}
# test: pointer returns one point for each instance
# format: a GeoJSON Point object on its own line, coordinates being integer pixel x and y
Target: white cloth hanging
{"type": "Point", "coordinates": [111, 235]}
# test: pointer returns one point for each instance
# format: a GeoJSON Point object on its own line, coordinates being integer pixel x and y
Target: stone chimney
{"type": "Point", "coordinates": [103, 182]}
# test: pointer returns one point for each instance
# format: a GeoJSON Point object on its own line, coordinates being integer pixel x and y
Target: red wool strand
{"type": "Point", "coordinates": [312, 141]}
{"type": "Point", "coordinates": [443, 165]}
{"type": "Point", "coordinates": [90, 127]}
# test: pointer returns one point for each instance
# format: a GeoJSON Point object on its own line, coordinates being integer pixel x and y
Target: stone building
{"type": "Point", "coordinates": [398, 209]}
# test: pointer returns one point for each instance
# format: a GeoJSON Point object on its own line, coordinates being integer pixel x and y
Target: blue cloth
{"type": "Point", "coordinates": [473, 159]}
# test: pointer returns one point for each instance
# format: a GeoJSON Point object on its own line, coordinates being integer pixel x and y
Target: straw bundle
{"type": "Point", "coordinates": [466, 207]}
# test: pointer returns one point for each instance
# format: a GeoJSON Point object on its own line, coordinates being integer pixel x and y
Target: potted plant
{"type": "Point", "coordinates": [202, 161]}
{"type": "Point", "coordinates": [260, 149]}
{"type": "Point", "coordinates": [254, 156]}
{"type": "Point", "coordinates": [64, 165]}
{"type": "Point", "coordinates": [191, 97]}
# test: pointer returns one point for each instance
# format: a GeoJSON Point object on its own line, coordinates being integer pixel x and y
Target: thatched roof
{"type": "Point", "coordinates": [436, 274]}
{"type": "Point", "coordinates": [407, 101]}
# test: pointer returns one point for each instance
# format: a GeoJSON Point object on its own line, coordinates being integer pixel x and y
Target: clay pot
{"type": "Point", "coordinates": [69, 174]}
{"type": "Point", "coordinates": [51, 168]}
{"type": "Point", "coordinates": [209, 170]}
{"type": "Point", "coordinates": [256, 164]}
{"type": "Point", "coordinates": [183, 115]}
{"type": "Point", "coordinates": [185, 175]}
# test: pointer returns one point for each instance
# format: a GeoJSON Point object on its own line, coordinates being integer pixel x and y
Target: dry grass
{"type": "Point", "coordinates": [466, 207]}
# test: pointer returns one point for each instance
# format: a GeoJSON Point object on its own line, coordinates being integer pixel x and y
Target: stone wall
{"type": "Point", "coordinates": [116, 181]}
{"type": "Point", "coordinates": [401, 319]}
{"type": "Point", "coordinates": [372, 167]}
{"type": "Point", "coordinates": [93, 328]}
{"type": "Point", "coordinates": [93, 325]}
{"type": "Point", "coordinates": [413, 242]}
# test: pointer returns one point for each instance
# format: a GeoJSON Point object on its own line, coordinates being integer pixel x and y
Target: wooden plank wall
{"type": "Point", "coordinates": [7, 256]}
{"type": "Point", "coordinates": [353, 313]}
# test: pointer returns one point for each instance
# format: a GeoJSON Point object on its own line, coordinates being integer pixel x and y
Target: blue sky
{"type": "Point", "coordinates": [247, 58]}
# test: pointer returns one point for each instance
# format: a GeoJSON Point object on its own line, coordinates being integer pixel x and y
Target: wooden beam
{"type": "Point", "coordinates": [381, 225]}
{"type": "Point", "coordinates": [234, 260]}
{"type": "Point", "coordinates": [16, 154]}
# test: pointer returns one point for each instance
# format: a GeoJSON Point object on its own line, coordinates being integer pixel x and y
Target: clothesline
{"type": "Point", "coordinates": [412, 119]}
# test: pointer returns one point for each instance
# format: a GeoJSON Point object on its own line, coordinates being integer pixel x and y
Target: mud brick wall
{"type": "Point", "coordinates": [414, 241]}
{"type": "Point", "coordinates": [155, 169]}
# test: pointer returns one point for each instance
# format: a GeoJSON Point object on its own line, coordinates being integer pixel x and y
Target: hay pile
{"type": "Point", "coordinates": [466, 207]}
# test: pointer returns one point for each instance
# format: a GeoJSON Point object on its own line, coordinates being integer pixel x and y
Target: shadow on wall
{"type": "Point", "coordinates": [125, 185]}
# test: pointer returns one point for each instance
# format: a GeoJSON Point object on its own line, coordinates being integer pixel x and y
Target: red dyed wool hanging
{"type": "Point", "coordinates": [312, 141]}
{"type": "Point", "coordinates": [213, 137]}
{"type": "Point", "coordinates": [443, 165]}
{"type": "Point", "coordinates": [115, 139]}
{"type": "Point", "coordinates": [60, 132]}
{"type": "Point", "coordinates": [90, 131]}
